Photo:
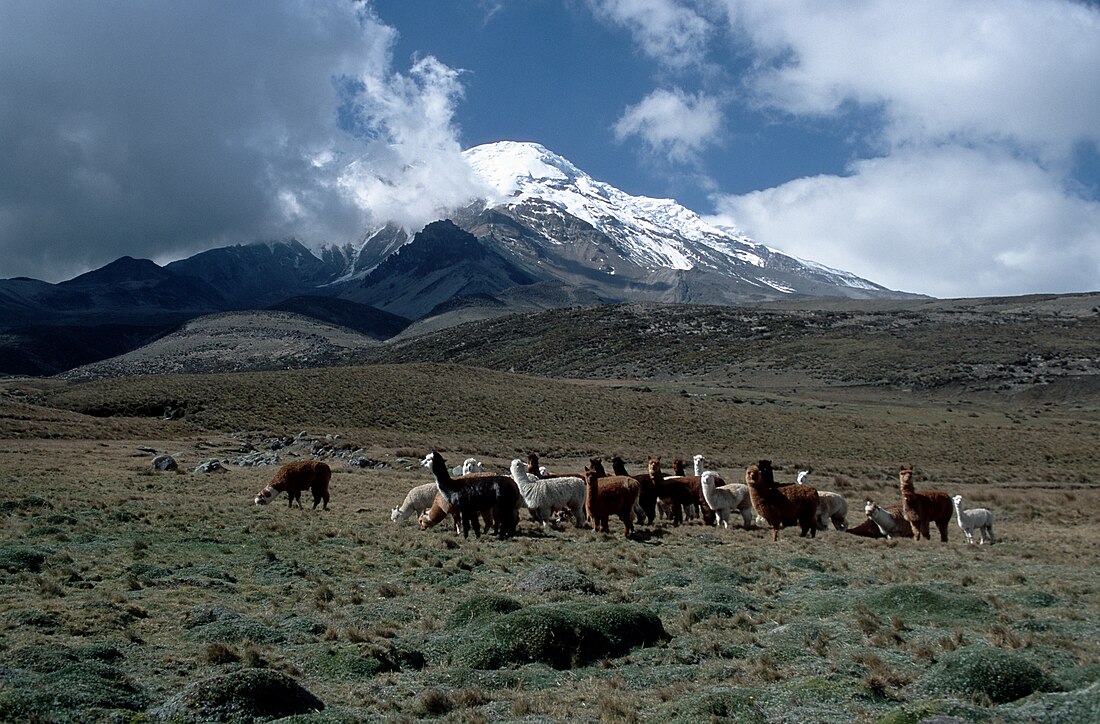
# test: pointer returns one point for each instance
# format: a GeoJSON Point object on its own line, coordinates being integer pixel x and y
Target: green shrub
{"type": "Point", "coordinates": [549, 579]}
{"type": "Point", "coordinates": [244, 695]}
{"type": "Point", "coordinates": [561, 636]}
{"type": "Point", "coordinates": [981, 670]}
{"type": "Point", "coordinates": [81, 685]}
{"type": "Point", "coordinates": [481, 607]}
{"type": "Point", "coordinates": [922, 604]}
{"type": "Point", "coordinates": [16, 558]}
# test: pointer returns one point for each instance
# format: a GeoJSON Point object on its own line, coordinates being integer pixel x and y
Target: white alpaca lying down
{"type": "Point", "coordinates": [968, 520]}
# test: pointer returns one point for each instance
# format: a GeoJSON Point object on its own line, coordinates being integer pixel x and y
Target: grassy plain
{"type": "Point", "coordinates": [123, 586]}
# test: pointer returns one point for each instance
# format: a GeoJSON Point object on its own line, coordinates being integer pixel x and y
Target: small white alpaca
{"type": "Point", "coordinates": [470, 465]}
{"type": "Point", "coordinates": [968, 520]}
{"type": "Point", "coordinates": [742, 503]}
{"type": "Point", "coordinates": [887, 523]}
{"type": "Point", "coordinates": [831, 507]}
{"type": "Point", "coordinates": [801, 479]}
{"type": "Point", "coordinates": [418, 500]}
{"type": "Point", "coordinates": [545, 495]}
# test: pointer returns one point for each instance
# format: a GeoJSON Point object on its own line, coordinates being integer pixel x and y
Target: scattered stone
{"type": "Point", "coordinates": [211, 466]}
{"type": "Point", "coordinates": [165, 463]}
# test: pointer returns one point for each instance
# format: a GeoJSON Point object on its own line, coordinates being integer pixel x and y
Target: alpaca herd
{"type": "Point", "coordinates": [594, 497]}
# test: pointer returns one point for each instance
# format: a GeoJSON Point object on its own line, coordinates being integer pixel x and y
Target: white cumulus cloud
{"type": "Point", "coordinates": [951, 221]}
{"type": "Point", "coordinates": [673, 124]}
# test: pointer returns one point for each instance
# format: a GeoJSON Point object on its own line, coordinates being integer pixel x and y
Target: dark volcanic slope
{"type": "Point", "coordinates": [993, 344]}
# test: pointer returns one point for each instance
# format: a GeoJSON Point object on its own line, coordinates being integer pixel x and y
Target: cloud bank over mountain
{"type": "Point", "coordinates": [978, 115]}
{"type": "Point", "coordinates": [158, 129]}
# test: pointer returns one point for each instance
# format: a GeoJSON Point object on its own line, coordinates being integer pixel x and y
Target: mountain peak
{"type": "Point", "coordinates": [509, 166]}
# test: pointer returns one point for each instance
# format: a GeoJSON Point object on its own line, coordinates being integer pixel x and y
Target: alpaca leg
{"type": "Point", "coordinates": [942, 525]}
{"type": "Point", "coordinates": [775, 535]}
{"type": "Point", "coordinates": [916, 530]}
{"type": "Point", "coordinates": [746, 516]}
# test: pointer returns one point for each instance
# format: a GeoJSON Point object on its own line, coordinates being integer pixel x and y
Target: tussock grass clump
{"type": "Point", "coordinates": [916, 602]}
{"type": "Point", "coordinates": [16, 558]}
{"type": "Point", "coordinates": [79, 687]}
{"type": "Point", "coordinates": [552, 579]}
{"type": "Point", "coordinates": [481, 607]}
{"type": "Point", "coordinates": [240, 696]}
{"type": "Point", "coordinates": [982, 671]}
{"type": "Point", "coordinates": [738, 705]}
{"type": "Point", "coordinates": [561, 636]}
{"type": "Point", "coordinates": [235, 631]}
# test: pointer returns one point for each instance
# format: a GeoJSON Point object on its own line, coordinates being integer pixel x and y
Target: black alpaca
{"type": "Point", "coordinates": [471, 494]}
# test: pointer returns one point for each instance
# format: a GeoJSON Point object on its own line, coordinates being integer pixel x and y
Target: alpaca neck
{"type": "Point", "coordinates": [443, 477]}
{"type": "Point", "coordinates": [699, 467]}
{"type": "Point", "coordinates": [958, 511]}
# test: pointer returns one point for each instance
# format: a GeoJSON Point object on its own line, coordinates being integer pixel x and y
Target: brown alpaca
{"type": "Point", "coordinates": [672, 491]}
{"type": "Point", "coordinates": [695, 483]}
{"type": "Point", "coordinates": [920, 509]}
{"type": "Point", "coordinates": [782, 505]}
{"type": "Point", "coordinates": [607, 496]}
{"type": "Point", "coordinates": [535, 469]}
{"type": "Point", "coordinates": [295, 477]}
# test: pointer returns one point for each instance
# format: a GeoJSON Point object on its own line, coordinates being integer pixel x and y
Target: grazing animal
{"type": "Point", "coordinates": [610, 495]}
{"type": "Point", "coordinates": [295, 477]}
{"type": "Point", "coordinates": [418, 500]}
{"type": "Point", "coordinates": [920, 509]}
{"type": "Point", "coordinates": [782, 505]}
{"type": "Point", "coordinates": [647, 498]}
{"type": "Point", "coordinates": [544, 496]}
{"type": "Point", "coordinates": [672, 491]}
{"type": "Point", "coordinates": [979, 518]}
{"type": "Point", "coordinates": [473, 493]}
{"type": "Point", "coordinates": [881, 522]}
{"type": "Point", "coordinates": [441, 508]}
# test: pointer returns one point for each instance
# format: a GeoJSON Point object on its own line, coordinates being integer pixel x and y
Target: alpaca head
{"type": "Point", "coordinates": [653, 466]}
{"type": "Point", "coordinates": [869, 507]}
{"type": "Point", "coordinates": [266, 495]}
{"type": "Point", "coordinates": [958, 501]}
{"type": "Point", "coordinates": [395, 513]}
{"type": "Point", "coordinates": [697, 462]}
{"type": "Point", "coordinates": [801, 479]}
{"type": "Point", "coordinates": [767, 475]}
{"type": "Point", "coordinates": [905, 476]}
{"type": "Point", "coordinates": [472, 465]}
{"type": "Point", "coordinates": [753, 475]}
{"type": "Point", "coordinates": [434, 461]}
{"type": "Point", "coordinates": [709, 479]}
{"type": "Point", "coordinates": [678, 466]}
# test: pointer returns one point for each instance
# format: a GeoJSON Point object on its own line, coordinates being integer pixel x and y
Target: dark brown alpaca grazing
{"type": "Point", "coordinates": [647, 498]}
{"type": "Point", "coordinates": [293, 478]}
{"type": "Point", "coordinates": [785, 505]}
{"type": "Point", "coordinates": [920, 509]}
{"type": "Point", "coordinates": [672, 491]}
{"type": "Point", "coordinates": [606, 496]}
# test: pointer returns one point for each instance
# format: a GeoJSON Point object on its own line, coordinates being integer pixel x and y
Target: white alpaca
{"type": "Point", "coordinates": [418, 500]}
{"type": "Point", "coordinates": [831, 506]}
{"type": "Point", "coordinates": [742, 503]}
{"type": "Point", "coordinates": [968, 520]}
{"type": "Point", "coordinates": [545, 495]}
{"type": "Point", "coordinates": [886, 522]}
{"type": "Point", "coordinates": [470, 465]}
{"type": "Point", "coordinates": [801, 479]}
{"type": "Point", "coordinates": [721, 501]}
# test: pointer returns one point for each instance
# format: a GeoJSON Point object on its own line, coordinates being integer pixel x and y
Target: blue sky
{"type": "Point", "coordinates": [948, 147]}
